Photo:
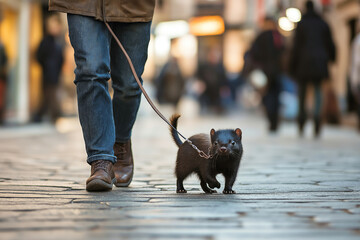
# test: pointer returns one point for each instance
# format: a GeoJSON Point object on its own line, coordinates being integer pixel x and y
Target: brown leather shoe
{"type": "Point", "coordinates": [102, 176]}
{"type": "Point", "coordinates": [124, 167]}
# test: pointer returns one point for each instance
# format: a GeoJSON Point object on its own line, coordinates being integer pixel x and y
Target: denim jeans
{"type": "Point", "coordinates": [302, 101]}
{"type": "Point", "coordinates": [98, 57]}
{"type": "Point", "coordinates": [271, 101]}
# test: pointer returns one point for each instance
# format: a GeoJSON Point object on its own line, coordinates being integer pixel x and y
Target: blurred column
{"type": "Point", "coordinates": [339, 16]}
{"type": "Point", "coordinates": [22, 86]}
{"type": "Point", "coordinates": [261, 12]}
{"type": "Point", "coordinates": [235, 11]}
{"type": "Point", "coordinates": [240, 17]}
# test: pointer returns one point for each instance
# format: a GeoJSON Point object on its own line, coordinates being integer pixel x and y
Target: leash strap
{"type": "Point", "coordinates": [201, 153]}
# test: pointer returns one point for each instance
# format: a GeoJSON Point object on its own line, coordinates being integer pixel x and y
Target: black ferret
{"type": "Point", "coordinates": [225, 150]}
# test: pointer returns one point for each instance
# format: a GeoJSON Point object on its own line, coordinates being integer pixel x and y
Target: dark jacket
{"type": "Point", "coordinates": [170, 83]}
{"type": "Point", "coordinates": [50, 57]}
{"type": "Point", "coordinates": [213, 75]}
{"type": "Point", "coordinates": [266, 53]}
{"type": "Point", "coordinates": [114, 10]}
{"type": "Point", "coordinates": [3, 62]}
{"type": "Point", "coordinates": [313, 49]}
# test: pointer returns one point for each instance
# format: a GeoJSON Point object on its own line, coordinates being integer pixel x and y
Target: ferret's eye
{"type": "Point", "coordinates": [215, 143]}
{"type": "Point", "coordinates": [233, 143]}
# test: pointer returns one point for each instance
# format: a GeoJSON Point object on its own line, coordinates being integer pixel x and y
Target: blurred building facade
{"type": "Point", "coordinates": [242, 18]}
{"type": "Point", "coordinates": [237, 21]}
{"type": "Point", "coordinates": [21, 30]}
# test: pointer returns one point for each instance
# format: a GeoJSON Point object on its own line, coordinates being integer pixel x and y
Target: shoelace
{"type": "Point", "coordinates": [101, 165]}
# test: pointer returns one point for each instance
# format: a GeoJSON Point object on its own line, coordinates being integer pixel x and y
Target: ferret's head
{"type": "Point", "coordinates": [226, 142]}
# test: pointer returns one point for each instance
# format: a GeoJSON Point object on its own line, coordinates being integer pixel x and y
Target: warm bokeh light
{"type": "Point", "coordinates": [162, 48]}
{"type": "Point", "coordinates": [207, 25]}
{"type": "Point", "coordinates": [187, 46]}
{"type": "Point", "coordinates": [293, 14]}
{"type": "Point", "coordinates": [185, 50]}
{"type": "Point", "coordinates": [234, 49]}
{"type": "Point", "coordinates": [172, 29]}
{"type": "Point", "coordinates": [285, 24]}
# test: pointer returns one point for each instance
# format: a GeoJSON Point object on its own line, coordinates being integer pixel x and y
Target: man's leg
{"type": "Point", "coordinates": [2, 100]}
{"type": "Point", "coordinates": [272, 104]}
{"type": "Point", "coordinates": [54, 105]}
{"type": "Point", "coordinates": [358, 114]}
{"type": "Point", "coordinates": [302, 108]}
{"type": "Point", "coordinates": [44, 104]}
{"type": "Point", "coordinates": [318, 99]}
{"type": "Point", "coordinates": [127, 94]}
{"type": "Point", "coordinates": [275, 108]}
{"type": "Point", "coordinates": [91, 42]}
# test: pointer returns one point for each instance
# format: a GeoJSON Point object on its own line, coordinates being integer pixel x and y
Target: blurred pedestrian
{"type": "Point", "coordinates": [3, 78]}
{"type": "Point", "coordinates": [312, 50]}
{"type": "Point", "coordinates": [50, 57]}
{"type": "Point", "coordinates": [107, 123]}
{"type": "Point", "coordinates": [355, 71]}
{"type": "Point", "coordinates": [212, 73]}
{"type": "Point", "coordinates": [170, 83]}
{"type": "Point", "coordinates": [266, 54]}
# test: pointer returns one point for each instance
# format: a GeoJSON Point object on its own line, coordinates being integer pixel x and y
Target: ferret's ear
{"type": "Point", "coordinates": [238, 132]}
{"type": "Point", "coordinates": [212, 132]}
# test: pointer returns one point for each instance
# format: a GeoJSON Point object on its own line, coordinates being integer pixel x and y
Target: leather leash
{"type": "Point", "coordinates": [201, 153]}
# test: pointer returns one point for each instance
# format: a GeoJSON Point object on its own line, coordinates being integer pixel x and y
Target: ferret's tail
{"type": "Point", "coordinates": [174, 120]}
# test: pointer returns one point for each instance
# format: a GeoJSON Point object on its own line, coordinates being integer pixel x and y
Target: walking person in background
{"type": "Point", "coordinates": [170, 83]}
{"type": "Point", "coordinates": [50, 57]}
{"type": "Point", "coordinates": [3, 78]}
{"type": "Point", "coordinates": [211, 73]}
{"type": "Point", "coordinates": [266, 54]}
{"type": "Point", "coordinates": [355, 71]}
{"type": "Point", "coordinates": [107, 123]}
{"type": "Point", "coordinates": [312, 50]}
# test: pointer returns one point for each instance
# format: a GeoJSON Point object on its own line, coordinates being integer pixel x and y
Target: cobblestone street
{"type": "Point", "coordinates": [287, 187]}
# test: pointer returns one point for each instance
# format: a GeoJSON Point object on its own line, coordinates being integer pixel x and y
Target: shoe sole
{"type": "Point", "coordinates": [126, 184]}
{"type": "Point", "coordinates": [98, 185]}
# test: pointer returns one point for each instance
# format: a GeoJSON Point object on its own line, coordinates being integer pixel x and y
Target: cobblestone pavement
{"type": "Point", "coordinates": [287, 188]}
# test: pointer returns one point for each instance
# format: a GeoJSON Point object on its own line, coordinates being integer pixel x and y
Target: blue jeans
{"type": "Point", "coordinates": [98, 57]}
{"type": "Point", "coordinates": [302, 101]}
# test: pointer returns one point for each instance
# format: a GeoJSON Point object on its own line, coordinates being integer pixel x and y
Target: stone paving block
{"type": "Point", "coordinates": [46, 234]}
{"type": "Point", "coordinates": [46, 225]}
{"type": "Point", "coordinates": [32, 189]}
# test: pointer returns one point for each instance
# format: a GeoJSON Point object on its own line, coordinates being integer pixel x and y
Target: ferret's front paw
{"type": "Point", "coordinates": [228, 191]}
{"type": "Point", "coordinates": [214, 185]}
